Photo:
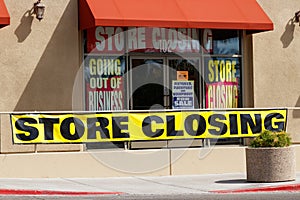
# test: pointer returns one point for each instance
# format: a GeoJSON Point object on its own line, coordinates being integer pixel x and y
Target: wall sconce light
{"type": "Point", "coordinates": [297, 17]}
{"type": "Point", "coordinates": [39, 10]}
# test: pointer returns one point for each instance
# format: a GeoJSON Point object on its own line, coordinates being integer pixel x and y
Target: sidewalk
{"type": "Point", "coordinates": [167, 185]}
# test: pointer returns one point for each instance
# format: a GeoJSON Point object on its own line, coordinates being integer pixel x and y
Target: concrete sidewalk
{"type": "Point", "coordinates": [166, 185]}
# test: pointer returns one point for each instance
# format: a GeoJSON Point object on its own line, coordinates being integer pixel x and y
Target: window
{"type": "Point", "coordinates": [211, 59]}
{"type": "Point", "coordinates": [138, 68]}
{"type": "Point", "coordinates": [222, 69]}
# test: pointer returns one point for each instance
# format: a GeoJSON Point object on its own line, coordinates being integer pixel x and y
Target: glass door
{"type": "Point", "coordinates": [152, 78]}
{"type": "Point", "coordinates": [147, 83]}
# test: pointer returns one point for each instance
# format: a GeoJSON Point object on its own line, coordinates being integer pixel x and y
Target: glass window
{"type": "Point", "coordinates": [109, 49]}
{"type": "Point", "coordinates": [221, 42]}
{"type": "Point", "coordinates": [147, 84]}
{"type": "Point", "coordinates": [222, 71]}
{"type": "Point", "coordinates": [135, 68]}
{"type": "Point", "coordinates": [226, 42]}
{"type": "Point", "coordinates": [215, 68]}
{"type": "Point", "coordinates": [222, 68]}
{"type": "Point", "coordinates": [222, 82]}
{"type": "Point", "coordinates": [104, 82]}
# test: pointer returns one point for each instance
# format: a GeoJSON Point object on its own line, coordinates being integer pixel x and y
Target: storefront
{"type": "Point", "coordinates": [123, 66]}
{"type": "Point", "coordinates": [130, 65]}
{"type": "Point", "coordinates": [171, 59]}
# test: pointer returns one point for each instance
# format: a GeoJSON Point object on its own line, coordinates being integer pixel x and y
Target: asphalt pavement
{"type": "Point", "coordinates": [126, 186]}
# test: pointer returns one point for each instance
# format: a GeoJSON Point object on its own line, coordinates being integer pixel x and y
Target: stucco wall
{"type": "Point", "coordinates": [276, 62]}
{"type": "Point", "coordinates": [39, 59]}
{"type": "Point", "coordinates": [38, 62]}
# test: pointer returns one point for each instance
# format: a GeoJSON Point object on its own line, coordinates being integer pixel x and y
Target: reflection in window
{"type": "Point", "coordinates": [226, 42]}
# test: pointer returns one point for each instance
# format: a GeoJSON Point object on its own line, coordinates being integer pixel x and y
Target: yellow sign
{"type": "Point", "coordinates": [35, 128]}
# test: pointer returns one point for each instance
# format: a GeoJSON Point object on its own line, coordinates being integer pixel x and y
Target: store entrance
{"type": "Point", "coordinates": [152, 78]}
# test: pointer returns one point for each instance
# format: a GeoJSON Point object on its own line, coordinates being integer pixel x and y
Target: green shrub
{"type": "Point", "coordinates": [272, 139]}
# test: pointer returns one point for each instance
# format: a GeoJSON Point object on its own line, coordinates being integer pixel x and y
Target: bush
{"type": "Point", "coordinates": [272, 139]}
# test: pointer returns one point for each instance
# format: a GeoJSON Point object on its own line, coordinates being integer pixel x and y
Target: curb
{"type": "Point", "coordinates": [52, 192]}
{"type": "Point", "coordinates": [286, 188]}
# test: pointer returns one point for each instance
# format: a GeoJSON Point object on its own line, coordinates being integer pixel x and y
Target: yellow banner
{"type": "Point", "coordinates": [35, 128]}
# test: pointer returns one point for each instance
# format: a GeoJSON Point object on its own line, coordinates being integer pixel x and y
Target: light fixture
{"type": "Point", "coordinates": [297, 16]}
{"type": "Point", "coordinates": [39, 9]}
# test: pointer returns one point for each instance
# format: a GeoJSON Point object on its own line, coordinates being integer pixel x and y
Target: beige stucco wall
{"type": "Point", "coordinates": [39, 61]}
{"type": "Point", "coordinates": [276, 62]}
{"type": "Point", "coordinates": [157, 162]}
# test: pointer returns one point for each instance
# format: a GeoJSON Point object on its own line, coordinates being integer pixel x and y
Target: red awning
{"type": "Point", "coordinates": [4, 15]}
{"type": "Point", "coordinates": [216, 14]}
